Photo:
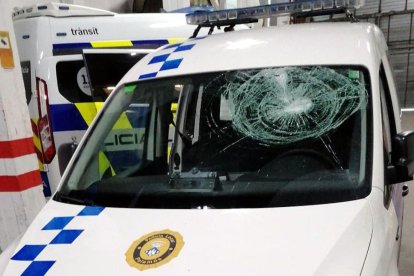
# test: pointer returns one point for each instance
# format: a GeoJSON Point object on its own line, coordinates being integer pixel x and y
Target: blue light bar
{"type": "Point", "coordinates": [251, 14]}
{"type": "Point", "coordinates": [192, 9]}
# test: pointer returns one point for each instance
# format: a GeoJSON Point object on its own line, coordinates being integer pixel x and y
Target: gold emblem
{"type": "Point", "coordinates": [154, 249]}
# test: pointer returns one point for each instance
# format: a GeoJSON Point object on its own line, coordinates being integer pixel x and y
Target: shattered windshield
{"type": "Point", "coordinates": [256, 138]}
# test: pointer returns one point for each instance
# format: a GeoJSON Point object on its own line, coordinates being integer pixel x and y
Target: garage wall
{"type": "Point", "coordinates": [21, 191]}
{"type": "Point", "coordinates": [110, 5]}
{"type": "Point", "coordinates": [121, 6]}
{"type": "Point", "coordinates": [170, 5]}
{"type": "Point", "coordinates": [395, 18]}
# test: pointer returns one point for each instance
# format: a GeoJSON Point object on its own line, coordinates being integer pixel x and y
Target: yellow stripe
{"type": "Point", "coordinates": [87, 110]}
{"type": "Point", "coordinates": [174, 111]}
{"type": "Point", "coordinates": [36, 142]}
{"type": "Point", "coordinates": [104, 164]}
{"type": "Point", "coordinates": [168, 155]}
{"type": "Point", "coordinates": [99, 105]}
{"type": "Point", "coordinates": [123, 122]}
{"type": "Point", "coordinates": [176, 40]}
{"type": "Point", "coordinates": [111, 43]}
{"type": "Point", "coordinates": [41, 168]}
{"type": "Point", "coordinates": [38, 146]}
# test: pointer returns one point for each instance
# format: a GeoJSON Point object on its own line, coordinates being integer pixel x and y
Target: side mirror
{"type": "Point", "coordinates": [403, 156]}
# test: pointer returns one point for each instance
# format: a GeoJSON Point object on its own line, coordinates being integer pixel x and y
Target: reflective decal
{"type": "Point", "coordinates": [154, 249]}
{"type": "Point", "coordinates": [63, 236]}
{"type": "Point", "coordinates": [83, 81]}
{"type": "Point", "coordinates": [167, 60]}
{"type": "Point", "coordinates": [76, 48]}
{"type": "Point", "coordinates": [112, 43]}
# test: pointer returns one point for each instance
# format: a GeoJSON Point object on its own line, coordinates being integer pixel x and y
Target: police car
{"type": "Point", "coordinates": [285, 157]}
{"type": "Point", "coordinates": [50, 39]}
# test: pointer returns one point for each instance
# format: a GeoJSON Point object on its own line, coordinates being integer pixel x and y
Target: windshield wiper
{"type": "Point", "coordinates": [186, 140]}
{"type": "Point", "coordinates": [70, 199]}
{"type": "Point", "coordinates": [327, 142]}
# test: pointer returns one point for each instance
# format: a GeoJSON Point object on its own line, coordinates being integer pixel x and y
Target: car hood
{"type": "Point", "coordinates": [64, 239]}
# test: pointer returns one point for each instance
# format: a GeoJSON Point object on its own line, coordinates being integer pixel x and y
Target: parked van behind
{"type": "Point", "coordinates": [50, 39]}
{"type": "Point", "coordinates": [287, 158]}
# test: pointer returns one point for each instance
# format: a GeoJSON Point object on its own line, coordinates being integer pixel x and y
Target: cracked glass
{"type": "Point", "coordinates": [256, 138]}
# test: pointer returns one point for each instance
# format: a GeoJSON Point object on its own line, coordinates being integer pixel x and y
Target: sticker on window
{"type": "Point", "coordinates": [83, 81]}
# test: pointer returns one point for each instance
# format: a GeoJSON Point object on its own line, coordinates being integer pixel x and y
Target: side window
{"type": "Point", "coordinates": [388, 130]}
{"type": "Point", "coordinates": [73, 83]}
{"type": "Point", "coordinates": [106, 70]}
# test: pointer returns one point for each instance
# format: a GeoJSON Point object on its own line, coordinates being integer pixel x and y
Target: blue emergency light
{"type": "Point", "coordinates": [252, 14]}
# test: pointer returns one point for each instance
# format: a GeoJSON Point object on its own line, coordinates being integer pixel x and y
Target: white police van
{"type": "Point", "coordinates": [50, 39]}
{"type": "Point", "coordinates": [287, 158]}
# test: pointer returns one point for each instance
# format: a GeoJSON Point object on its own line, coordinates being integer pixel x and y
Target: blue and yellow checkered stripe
{"type": "Point", "coordinates": [69, 117]}
{"type": "Point", "coordinates": [79, 116]}
{"type": "Point", "coordinates": [76, 48]}
{"type": "Point", "coordinates": [29, 252]}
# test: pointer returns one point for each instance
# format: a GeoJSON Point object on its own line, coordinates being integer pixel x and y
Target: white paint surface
{"type": "Point", "coordinates": [19, 165]}
{"type": "Point", "coordinates": [17, 210]}
{"type": "Point", "coordinates": [262, 241]}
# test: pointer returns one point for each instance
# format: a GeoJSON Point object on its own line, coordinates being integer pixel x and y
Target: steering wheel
{"type": "Point", "coordinates": [297, 162]}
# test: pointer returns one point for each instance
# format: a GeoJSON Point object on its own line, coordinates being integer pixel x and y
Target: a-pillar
{"type": "Point", "coordinates": [21, 196]}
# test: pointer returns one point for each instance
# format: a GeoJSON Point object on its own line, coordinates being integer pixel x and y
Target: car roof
{"type": "Point", "coordinates": [292, 45]}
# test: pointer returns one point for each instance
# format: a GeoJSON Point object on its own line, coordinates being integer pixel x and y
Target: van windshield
{"type": "Point", "coordinates": [271, 137]}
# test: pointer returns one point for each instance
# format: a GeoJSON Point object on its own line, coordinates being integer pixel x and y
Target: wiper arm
{"type": "Point", "coordinates": [327, 142]}
{"type": "Point", "coordinates": [70, 199]}
{"type": "Point", "coordinates": [186, 140]}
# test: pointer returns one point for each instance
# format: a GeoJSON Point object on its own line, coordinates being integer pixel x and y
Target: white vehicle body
{"type": "Point", "coordinates": [50, 39]}
{"type": "Point", "coordinates": [351, 237]}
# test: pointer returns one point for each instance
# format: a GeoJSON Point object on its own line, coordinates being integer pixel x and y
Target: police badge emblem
{"type": "Point", "coordinates": [154, 249]}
